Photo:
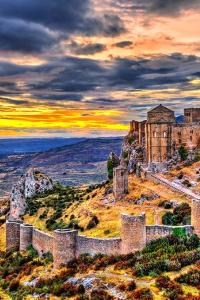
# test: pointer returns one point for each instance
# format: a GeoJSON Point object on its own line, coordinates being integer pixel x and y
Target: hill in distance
{"type": "Point", "coordinates": [83, 162]}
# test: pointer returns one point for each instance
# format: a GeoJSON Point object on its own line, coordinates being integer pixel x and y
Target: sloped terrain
{"type": "Point", "coordinates": [77, 164]}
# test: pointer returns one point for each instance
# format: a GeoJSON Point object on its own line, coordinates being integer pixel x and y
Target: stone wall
{"type": "Point", "coordinates": [109, 246]}
{"type": "Point", "coordinates": [133, 233]}
{"type": "Point", "coordinates": [42, 241]}
{"type": "Point", "coordinates": [191, 115]}
{"type": "Point", "coordinates": [66, 245]}
{"type": "Point", "coordinates": [195, 216]}
{"type": "Point", "coordinates": [12, 235]}
{"type": "Point", "coordinates": [154, 232]}
{"type": "Point", "coordinates": [120, 182]}
{"type": "Point", "coordinates": [187, 135]}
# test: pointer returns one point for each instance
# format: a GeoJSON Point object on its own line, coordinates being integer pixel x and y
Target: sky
{"type": "Point", "coordinates": [88, 67]}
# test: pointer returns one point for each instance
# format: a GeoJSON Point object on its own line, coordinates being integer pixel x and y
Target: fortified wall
{"type": "Point", "coordinates": [66, 245]}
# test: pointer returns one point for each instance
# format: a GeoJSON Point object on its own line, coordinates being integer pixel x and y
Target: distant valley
{"type": "Point", "coordinates": [70, 161]}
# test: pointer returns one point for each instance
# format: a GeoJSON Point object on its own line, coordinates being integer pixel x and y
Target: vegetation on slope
{"type": "Point", "coordinates": [93, 210]}
{"type": "Point", "coordinates": [26, 274]}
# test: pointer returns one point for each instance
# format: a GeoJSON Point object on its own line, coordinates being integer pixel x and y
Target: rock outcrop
{"type": "Point", "coordinates": [30, 184]}
{"type": "Point", "coordinates": [132, 151]}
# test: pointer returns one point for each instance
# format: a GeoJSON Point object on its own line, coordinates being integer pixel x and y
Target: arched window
{"type": "Point", "coordinates": [164, 134]}
{"type": "Point", "coordinates": [155, 134]}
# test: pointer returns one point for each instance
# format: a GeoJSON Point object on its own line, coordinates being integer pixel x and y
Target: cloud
{"type": "Point", "coordinates": [123, 44]}
{"type": "Point", "coordinates": [158, 7]}
{"type": "Point", "coordinates": [73, 78]}
{"type": "Point", "coordinates": [17, 35]}
{"type": "Point", "coordinates": [35, 25]}
{"type": "Point", "coordinates": [87, 49]}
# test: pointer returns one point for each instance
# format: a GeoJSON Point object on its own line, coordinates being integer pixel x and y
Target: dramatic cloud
{"type": "Point", "coordinates": [34, 25]}
{"type": "Point", "coordinates": [17, 35]}
{"type": "Point", "coordinates": [87, 67]}
{"type": "Point", "coordinates": [160, 7]}
{"type": "Point", "coordinates": [87, 49]}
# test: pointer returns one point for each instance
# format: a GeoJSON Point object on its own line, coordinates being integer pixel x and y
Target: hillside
{"type": "Point", "coordinates": [81, 163]}
{"type": "Point", "coordinates": [33, 145]}
{"type": "Point", "coordinates": [94, 213]}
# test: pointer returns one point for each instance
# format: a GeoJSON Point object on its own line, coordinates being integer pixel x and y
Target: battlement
{"type": "Point", "coordinates": [66, 245]}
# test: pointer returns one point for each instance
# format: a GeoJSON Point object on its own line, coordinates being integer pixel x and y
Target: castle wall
{"type": "Point", "coordinates": [42, 241]}
{"type": "Point", "coordinates": [191, 115]}
{"type": "Point", "coordinates": [154, 232]}
{"type": "Point", "coordinates": [26, 235]}
{"type": "Point", "coordinates": [195, 216]}
{"type": "Point", "coordinates": [187, 135]}
{"type": "Point", "coordinates": [12, 235]}
{"type": "Point", "coordinates": [110, 246]}
{"type": "Point", "coordinates": [120, 182]}
{"type": "Point", "coordinates": [133, 233]}
{"type": "Point", "coordinates": [64, 246]}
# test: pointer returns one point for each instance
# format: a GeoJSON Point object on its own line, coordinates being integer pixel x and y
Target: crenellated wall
{"type": "Point", "coordinates": [66, 245]}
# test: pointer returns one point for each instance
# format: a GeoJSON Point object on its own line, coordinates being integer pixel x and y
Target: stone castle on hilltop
{"type": "Point", "coordinates": [158, 138]}
{"type": "Point", "coordinates": [154, 141]}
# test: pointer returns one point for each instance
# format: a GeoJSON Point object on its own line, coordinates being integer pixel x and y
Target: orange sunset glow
{"type": "Point", "coordinates": [86, 68]}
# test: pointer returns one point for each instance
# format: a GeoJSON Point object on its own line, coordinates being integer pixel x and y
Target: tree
{"type": "Point", "coordinates": [113, 162]}
{"type": "Point", "coordinates": [183, 153]}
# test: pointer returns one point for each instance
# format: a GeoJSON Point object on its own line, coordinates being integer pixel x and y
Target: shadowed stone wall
{"type": "Point", "coordinates": [42, 241]}
{"type": "Point", "coordinates": [64, 246]}
{"type": "Point", "coordinates": [110, 246]}
{"type": "Point", "coordinates": [26, 236]}
{"type": "Point", "coordinates": [12, 235]}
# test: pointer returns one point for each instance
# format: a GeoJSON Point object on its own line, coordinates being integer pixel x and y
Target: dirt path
{"type": "Point", "coordinates": [175, 186]}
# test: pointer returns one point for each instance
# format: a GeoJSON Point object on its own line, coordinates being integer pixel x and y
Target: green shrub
{"type": "Point", "coordinates": [179, 232]}
{"type": "Point", "coordinates": [183, 153]}
{"type": "Point", "coordinates": [131, 139]}
{"type": "Point", "coordinates": [180, 216]}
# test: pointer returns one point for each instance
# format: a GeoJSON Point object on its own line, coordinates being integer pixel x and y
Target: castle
{"type": "Point", "coordinates": [161, 135]}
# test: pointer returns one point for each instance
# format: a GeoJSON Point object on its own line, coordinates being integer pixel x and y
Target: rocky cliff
{"type": "Point", "coordinates": [30, 184]}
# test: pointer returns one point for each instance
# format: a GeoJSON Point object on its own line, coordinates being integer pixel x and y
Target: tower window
{"type": "Point", "coordinates": [155, 134]}
{"type": "Point", "coordinates": [164, 134]}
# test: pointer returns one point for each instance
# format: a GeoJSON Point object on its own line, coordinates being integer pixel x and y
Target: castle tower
{"type": "Point", "coordinates": [159, 141]}
{"type": "Point", "coordinates": [120, 181]}
{"type": "Point", "coordinates": [133, 233]}
{"type": "Point", "coordinates": [64, 246]}
{"type": "Point", "coordinates": [195, 216]}
{"type": "Point", "coordinates": [12, 235]}
{"type": "Point", "coordinates": [26, 233]}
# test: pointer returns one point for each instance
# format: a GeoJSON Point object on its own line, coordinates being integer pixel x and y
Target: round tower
{"type": "Point", "coordinates": [64, 246]}
{"type": "Point", "coordinates": [13, 235]}
{"type": "Point", "coordinates": [26, 232]}
{"type": "Point", "coordinates": [195, 216]}
{"type": "Point", "coordinates": [133, 233]}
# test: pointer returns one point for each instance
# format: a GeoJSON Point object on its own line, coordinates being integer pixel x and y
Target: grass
{"type": "Point", "coordinates": [109, 212]}
{"type": "Point", "coordinates": [2, 238]}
